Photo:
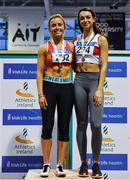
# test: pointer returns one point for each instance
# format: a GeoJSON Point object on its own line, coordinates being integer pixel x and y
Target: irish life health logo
{"type": "Point", "coordinates": [24, 144]}
{"type": "Point", "coordinates": [108, 144]}
{"type": "Point", "coordinates": [25, 98]}
{"type": "Point", "coordinates": [109, 97]}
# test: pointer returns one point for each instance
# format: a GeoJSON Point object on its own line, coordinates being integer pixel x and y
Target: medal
{"type": "Point", "coordinates": [59, 56]}
{"type": "Point", "coordinates": [83, 59]}
{"type": "Point", "coordinates": [59, 68]}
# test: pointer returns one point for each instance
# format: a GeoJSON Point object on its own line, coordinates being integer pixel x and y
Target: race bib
{"type": "Point", "coordinates": [67, 58]}
{"type": "Point", "coordinates": [86, 50]}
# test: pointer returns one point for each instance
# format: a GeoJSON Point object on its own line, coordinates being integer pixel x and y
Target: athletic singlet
{"type": "Point", "coordinates": [92, 50]}
{"type": "Point", "coordinates": [51, 58]}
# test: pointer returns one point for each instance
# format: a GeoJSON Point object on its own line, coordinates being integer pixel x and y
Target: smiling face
{"type": "Point", "coordinates": [56, 27]}
{"type": "Point", "coordinates": [86, 20]}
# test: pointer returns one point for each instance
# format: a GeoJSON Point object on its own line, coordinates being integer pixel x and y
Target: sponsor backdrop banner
{"type": "Point", "coordinates": [115, 154]}
{"type": "Point", "coordinates": [20, 117]}
{"type": "Point", "coordinates": [113, 26]}
{"type": "Point", "coordinates": [26, 31]}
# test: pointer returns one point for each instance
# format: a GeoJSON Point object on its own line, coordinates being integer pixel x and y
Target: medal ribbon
{"type": "Point", "coordinates": [82, 40]}
{"type": "Point", "coordinates": [60, 58]}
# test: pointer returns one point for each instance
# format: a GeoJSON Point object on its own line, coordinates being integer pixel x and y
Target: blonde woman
{"type": "Point", "coordinates": [55, 88]}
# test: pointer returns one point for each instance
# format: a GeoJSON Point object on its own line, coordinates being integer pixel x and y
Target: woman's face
{"type": "Point", "coordinates": [56, 27]}
{"type": "Point", "coordinates": [86, 20]}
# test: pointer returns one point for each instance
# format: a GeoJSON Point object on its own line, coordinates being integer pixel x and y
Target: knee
{"type": "Point", "coordinates": [96, 124]}
{"type": "Point", "coordinates": [96, 130]}
{"type": "Point", "coordinates": [81, 125]}
{"type": "Point", "coordinates": [63, 136]}
{"type": "Point", "coordinates": [46, 133]}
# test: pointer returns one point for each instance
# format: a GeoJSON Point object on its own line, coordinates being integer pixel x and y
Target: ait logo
{"type": "Point", "coordinates": [26, 34]}
{"type": "Point", "coordinates": [23, 138]}
{"type": "Point", "coordinates": [23, 92]}
{"type": "Point", "coordinates": [106, 91]}
{"type": "Point", "coordinates": [105, 132]}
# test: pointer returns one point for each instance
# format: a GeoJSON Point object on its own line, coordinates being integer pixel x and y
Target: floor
{"type": "Point", "coordinates": [35, 174]}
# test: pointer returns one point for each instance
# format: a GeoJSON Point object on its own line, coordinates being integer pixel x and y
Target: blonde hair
{"type": "Point", "coordinates": [56, 16]}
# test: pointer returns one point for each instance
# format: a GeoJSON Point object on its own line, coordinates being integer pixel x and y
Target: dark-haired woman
{"type": "Point", "coordinates": [91, 57]}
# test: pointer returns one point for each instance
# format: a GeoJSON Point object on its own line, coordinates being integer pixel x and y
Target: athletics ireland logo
{"type": "Point", "coordinates": [23, 92]}
{"type": "Point", "coordinates": [23, 138]}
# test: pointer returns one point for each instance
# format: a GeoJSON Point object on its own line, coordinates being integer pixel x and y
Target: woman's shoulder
{"type": "Point", "coordinates": [102, 37]}
{"type": "Point", "coordinates": [42, 48]}
{"type": "Point", "coordinates": [102, 41]}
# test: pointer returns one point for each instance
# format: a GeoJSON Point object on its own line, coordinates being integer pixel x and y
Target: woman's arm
{"type": "Point", "coordinates": [103, 60]}
{"type": "Point", "coordinates": [103, 68]}
{"type": "Point", "coordinates": [40, 72]}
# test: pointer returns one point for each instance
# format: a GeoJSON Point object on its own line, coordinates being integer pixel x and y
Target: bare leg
{"type": "Point", "coordinates": [46, 149]}
{"type": "Point", "coordinates": [62, 149]}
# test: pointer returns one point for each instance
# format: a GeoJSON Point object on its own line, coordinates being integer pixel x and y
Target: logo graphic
{"type": "Point", "coordinates": [23, 92]}
{"type": "Point", "coordinates": [28, 31]}
{"type": "Point", "coordinates": [22, 164]}
{"type": "Point", "coordinates": [105, 176]}
{"type": "Point", "coordinates": [103, 26]}
{"type": "Point", "coordinates": [108, 144]}
{"type": "Point", "coordinates": [117, 69]}
{"type": "Point", "coordinates": [20, 71]}
{"type": "Point", "coordinates": [9, 71]}
{"type": "Point", "coordinates": [109, 97]}
{"type": "Point", "coordinates": [107, 93]}
{"type": "Point", "coordinates": [105, 132]}
{"type": "Point", "coordinates": [23, 138]}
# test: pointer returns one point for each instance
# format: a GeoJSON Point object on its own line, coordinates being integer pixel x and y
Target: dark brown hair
{"type": "Point", "coordinates": [95, 28]}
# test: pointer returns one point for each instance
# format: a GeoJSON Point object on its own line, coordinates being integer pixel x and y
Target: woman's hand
{"type": "Point", "coordinates": [43, 102]}
{"type": "Point", "coordinates": [98, 97]}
